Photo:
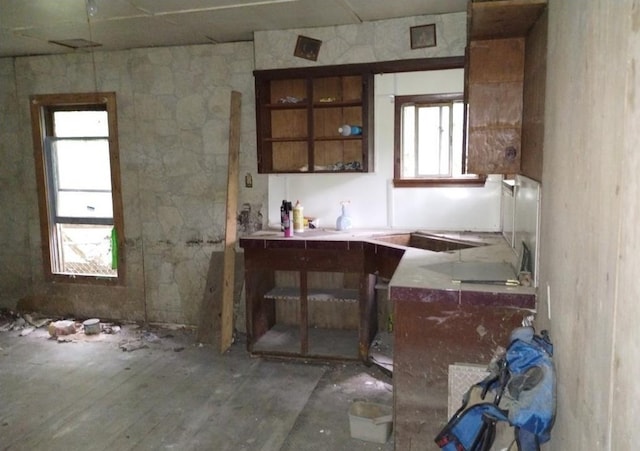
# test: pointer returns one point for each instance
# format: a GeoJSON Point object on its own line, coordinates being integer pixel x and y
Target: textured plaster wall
{"type": "Point", "coordinates": [15, 267]}
{"type": "Point", "coordinates": [173, 119]}
{"type": "Point", "coordinates": [383, 40]}
{"type": "Point", "coordinates": [590, 240]}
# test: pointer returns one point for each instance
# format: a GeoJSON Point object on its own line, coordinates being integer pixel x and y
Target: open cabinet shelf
{"type": "Point", "coordinates": [299, 112]}
{"type": "Point", "coordinates": [310, 303]}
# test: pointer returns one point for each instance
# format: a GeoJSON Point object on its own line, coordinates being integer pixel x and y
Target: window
{"type": "Point", "coordinates": [429, 144]}
{"type": "Point", "coordinates": [76, 152]}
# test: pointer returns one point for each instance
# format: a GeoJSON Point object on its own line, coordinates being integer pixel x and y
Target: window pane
{"type": "Point", "coordinates": [457, 130]}
{"type": "Point", "coordinates": [430, 131]}
{"type": "Point", "coordinates": [445, 148]}
{"type": "Point", "coordinates": [86, 250]}
{"type": "Point", "coordinates": [84, 204]}
{"type": "Point", "coordinates": [70, 124]}
{"type": "Point", "coordinates": [82, 164]}
{"type": "Point", "coordinates": [408, 141]}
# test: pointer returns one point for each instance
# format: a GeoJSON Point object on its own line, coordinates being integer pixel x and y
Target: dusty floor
{"type": "Point", "coordinates": [157, 388]}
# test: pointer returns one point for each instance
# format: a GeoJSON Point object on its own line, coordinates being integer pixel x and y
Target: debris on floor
{"type": "Point", "coordinates": [10, 320]}
{"type": "Point", "coordinates": [128, 336]}
{"type": "Point", "coordinates": [129, 346]}
{"type": "Point", "coordinates": [62, 330]}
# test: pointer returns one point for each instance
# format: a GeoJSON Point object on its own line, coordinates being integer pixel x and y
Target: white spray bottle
{"type": "Point", "coordinates": [344, 220]}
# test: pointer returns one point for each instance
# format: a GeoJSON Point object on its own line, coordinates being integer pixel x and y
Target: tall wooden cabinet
{"type": "Point", "coordinates": [299, 116]}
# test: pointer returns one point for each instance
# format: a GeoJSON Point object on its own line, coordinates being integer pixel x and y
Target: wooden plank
{"type": "Point", "coordinates": [226, 335]}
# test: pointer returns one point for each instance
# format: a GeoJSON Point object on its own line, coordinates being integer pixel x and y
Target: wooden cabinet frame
{"type": "Point", "coordinates": [298, 115]}
{"type": "Point", "coordinates": [305, 144]}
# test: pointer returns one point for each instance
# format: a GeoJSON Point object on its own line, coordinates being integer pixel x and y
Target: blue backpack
{"type": "Point", "coordinates": [519, 391]}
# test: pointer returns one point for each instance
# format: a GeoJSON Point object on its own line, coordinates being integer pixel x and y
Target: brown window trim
{"type": "Point", "coordinates": [398, 181]}
{"type": "Point", "coordinates": [471, 180]}
{"type": "Point", "coordinates": [42, 107]}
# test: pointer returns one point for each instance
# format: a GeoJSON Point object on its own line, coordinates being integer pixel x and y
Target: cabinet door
{"type": "Point", "coordinates": [495, 84]}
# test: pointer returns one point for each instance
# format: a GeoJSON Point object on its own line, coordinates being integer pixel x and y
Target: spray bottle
{"type": "Point", "coordinates": [344, 220]}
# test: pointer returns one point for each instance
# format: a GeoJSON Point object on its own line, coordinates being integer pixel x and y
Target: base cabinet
{"type": "Point", "coordinates": [309, 303]}
{"type": "Point", "coordinates": [432, 330]}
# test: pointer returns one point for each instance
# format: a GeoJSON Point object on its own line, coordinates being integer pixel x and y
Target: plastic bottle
{"type": "Point", "coordinates": [286, 220]}
{"type": "Point", "coordinates": [298, 218]}
{"type": "Point", "coordinates": [350, 130]}
{"type": "Point", "coordinates": [344, 220]}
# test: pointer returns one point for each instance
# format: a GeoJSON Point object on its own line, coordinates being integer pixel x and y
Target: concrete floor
{"type": "Point", "coordinates": [174, 394]}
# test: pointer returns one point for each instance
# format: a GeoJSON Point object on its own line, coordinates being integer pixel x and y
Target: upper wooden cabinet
{"type": "Point", "coordinates": [497, 39]}
{"type": "Point", "coordinates": [495, 82]}
{"type": "Point", "coordinates": [300, 113]}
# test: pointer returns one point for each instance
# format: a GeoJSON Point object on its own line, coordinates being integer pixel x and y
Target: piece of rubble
{"type": "Point", "coordinates": [19, 323]}
{"type": "Point", "coordinates": [26, 331]}
{"type": "Point", "coordinates": [108, 328]}
{"type": "Point", "coordinates": [63, 327]}
{"type": "Point", "coordinates": [129, 346]}
{"type": "Point", "coordinates": [150, 337]}
{"type": "Point", "coordinates": [36, 322]}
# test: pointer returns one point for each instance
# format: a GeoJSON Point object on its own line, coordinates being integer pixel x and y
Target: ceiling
{"type": "Point", "coordinates": [28, 26]}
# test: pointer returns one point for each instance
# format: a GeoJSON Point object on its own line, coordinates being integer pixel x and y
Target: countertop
{"type": "Point", "coordinates": [423, 271]}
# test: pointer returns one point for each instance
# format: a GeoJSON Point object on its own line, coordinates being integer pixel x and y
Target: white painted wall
{"type": "Point", "coordinates": [373, 200]}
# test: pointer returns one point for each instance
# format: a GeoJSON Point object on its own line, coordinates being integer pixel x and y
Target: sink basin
{"type": "Point", "coordinates": [429, 242]}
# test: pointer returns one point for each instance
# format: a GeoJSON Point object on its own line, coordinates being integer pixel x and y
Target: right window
{"type": "Point", "coordinates": [429, 144]}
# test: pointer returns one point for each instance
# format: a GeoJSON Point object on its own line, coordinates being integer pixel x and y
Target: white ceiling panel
{"type": "Point", "coordinates": [241, 22]}
{"type": "Point", "coordinates": [11, 44]}
{"type": "Point", "coordinates": [174, 6]}
{"type": "Point", "coordinates": [143, 32]}
{"type": "Point", "coordinates": [33, 13]}
{"type": "Point", "coordinates": [26, 26]}
{"type": "Point", "coordinates": [369, 10]}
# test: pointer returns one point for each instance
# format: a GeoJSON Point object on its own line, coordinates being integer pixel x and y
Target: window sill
{"type": "Point", "coordinates": [471, 180]}
{"type": "Point", "coordinates": [85, 280]}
